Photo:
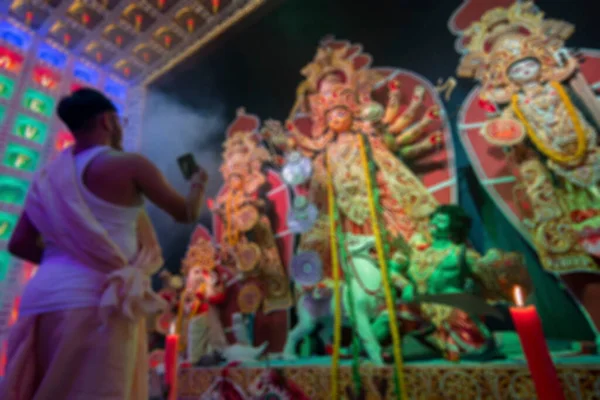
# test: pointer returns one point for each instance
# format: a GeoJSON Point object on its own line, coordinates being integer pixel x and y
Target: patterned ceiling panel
{"type": "Point", "coordinates": [137, 40]}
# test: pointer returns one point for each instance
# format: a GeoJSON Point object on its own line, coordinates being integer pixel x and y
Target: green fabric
{"type": "Point", "coordinates": [307, 347]}
{"type": "Point", "coordinates": [382, 230]}
{"type": "Point", "coordinates": [343, 259]}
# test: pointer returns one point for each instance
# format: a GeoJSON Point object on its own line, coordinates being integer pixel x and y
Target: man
{"type": "Point", "coordinates": [81, 329]}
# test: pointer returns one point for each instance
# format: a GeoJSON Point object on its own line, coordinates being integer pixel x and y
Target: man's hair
{"type": "Point", "coordinates": [78, 110]}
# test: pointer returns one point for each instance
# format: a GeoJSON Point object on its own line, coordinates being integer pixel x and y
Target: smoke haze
{"type": "Point", "coordinates": [171, 129]}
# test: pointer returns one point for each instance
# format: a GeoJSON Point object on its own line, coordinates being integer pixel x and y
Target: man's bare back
{"type": "Point", "coordinates": [111, 177]}
{"type": "Point", "coordinates": [126, 178]}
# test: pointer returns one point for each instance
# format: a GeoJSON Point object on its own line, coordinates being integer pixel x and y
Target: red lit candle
{"type": "Point", "coordinates": [215, 6]}
{"type": "Point", "coordinates": [529, 327]}
{"type": "Point", "coordinates": [171, 359]}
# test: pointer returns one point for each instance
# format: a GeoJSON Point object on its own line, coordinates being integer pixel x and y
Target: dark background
{"type": "Point", "coordinates": [257, 66]}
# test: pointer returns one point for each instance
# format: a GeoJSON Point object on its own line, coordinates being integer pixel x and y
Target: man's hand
{"type": "Point", "coordinates": [199, 178]}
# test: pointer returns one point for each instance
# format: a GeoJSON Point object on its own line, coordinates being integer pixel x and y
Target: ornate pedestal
{"type": "Point", "coordinates": [435, 380]}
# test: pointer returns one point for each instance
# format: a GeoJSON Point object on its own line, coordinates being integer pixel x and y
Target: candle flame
{"type": "Point", "coordinates": [172, 328]}
{"type": "Point", "coordinates": [518, 296]}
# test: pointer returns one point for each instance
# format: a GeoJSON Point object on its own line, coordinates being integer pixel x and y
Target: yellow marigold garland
{"type": "Point", "coordinates": [231, 235]}
{"type": "Point", "coordinates": [179, 320]}
{"type": "Point", "coordinates": [335, 265]}
{"type": "Point", "coordinates": [389, 297]}
{"type": "Point", "coordinates": [552, 154]}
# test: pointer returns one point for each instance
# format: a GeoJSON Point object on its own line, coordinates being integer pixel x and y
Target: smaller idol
{"type": "Point", "coordinates": [204, 292]}
{"type": "Point", "coordinates": [531, 131]}
{"type": "Point", "coordinates": [543, 113]}
{"type": "Point", "coordinates": [251, 230]}
{"type": "Point", "coordinates": [242, 209]}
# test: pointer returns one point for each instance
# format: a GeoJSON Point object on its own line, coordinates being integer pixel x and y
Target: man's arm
{"type": "Point", "coordinates": [152, 183]}
{"type": "Point", "coordinates": [26, 242]}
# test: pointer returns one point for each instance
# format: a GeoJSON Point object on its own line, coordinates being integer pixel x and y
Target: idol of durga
{"type": "Point", "coordinates": [338, 99]}
{"type": "Point", "coordinates": [351, 143]}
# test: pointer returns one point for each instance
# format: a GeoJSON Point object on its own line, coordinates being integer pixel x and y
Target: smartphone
{"type": "Point", "coordinates": [188, 166]}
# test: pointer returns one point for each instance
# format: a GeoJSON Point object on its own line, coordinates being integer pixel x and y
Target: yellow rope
{"type": "Point", "coordinates": [228, 219]}
{"type": "Point", "coordinates": [179, 320]}
{"type": "Point", "coordinates": [231, 236]}
{"type": "Point", "coordinates": [335, 265]}
{"type": "Point", "coordinates": [552, 154]}
{"type": "Point", "coordinates": [389, 298]}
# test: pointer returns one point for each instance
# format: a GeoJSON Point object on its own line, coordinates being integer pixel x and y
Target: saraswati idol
{"type": "Point", "coordinates": [204, 291]}
{"type": "Point", "coordinates": [535, 118]}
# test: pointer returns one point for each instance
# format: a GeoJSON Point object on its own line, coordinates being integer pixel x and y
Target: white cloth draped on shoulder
{"type": "Point", "coordinates": [56, 207]}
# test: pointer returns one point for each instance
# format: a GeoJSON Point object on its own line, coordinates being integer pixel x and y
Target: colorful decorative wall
{"type": "Point", "coordinates": [49, 48]}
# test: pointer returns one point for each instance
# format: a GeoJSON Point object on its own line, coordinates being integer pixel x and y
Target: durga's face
{"type": "Point", "coordinates": [524, 71]}
{"type": "Point", "coordinates": [339, 119]}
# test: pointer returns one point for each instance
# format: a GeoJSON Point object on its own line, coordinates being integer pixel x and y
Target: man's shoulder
{"type": "Point", "coordinates": [131, 161]}
{"type": "Point", "coordinates": [127, 157]}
